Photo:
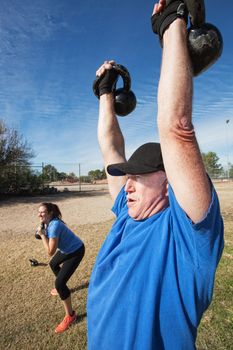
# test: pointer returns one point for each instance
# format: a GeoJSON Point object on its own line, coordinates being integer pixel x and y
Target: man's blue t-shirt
{"type": "Point", "coordinates": [68, 242]}
{"type": "Point", "coordinates": [153, 279]}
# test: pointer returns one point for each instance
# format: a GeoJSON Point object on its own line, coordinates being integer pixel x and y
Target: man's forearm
{"type": "Point", "coordinates": [175, 87]}
{"type": "Point", "coordinates": [109, 133]}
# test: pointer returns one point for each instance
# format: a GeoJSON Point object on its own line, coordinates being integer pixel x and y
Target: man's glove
{"type": "Point", "coordinates": [108, 82]}
{"type": "Point", "coordinates": [194, 9]}
{"type": "Point", "coordinates": [174, 9]}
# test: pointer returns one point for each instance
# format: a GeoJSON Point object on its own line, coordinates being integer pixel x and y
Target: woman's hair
{"type": "Point", "coordinates": [52, 209]}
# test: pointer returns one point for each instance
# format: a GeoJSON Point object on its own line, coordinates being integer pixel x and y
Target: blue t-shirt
{"type": "Point", "coordinates": [153, 279]}
{"type": "Point", "coordinates": [68, 242]}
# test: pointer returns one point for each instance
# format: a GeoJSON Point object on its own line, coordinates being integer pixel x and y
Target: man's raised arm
{"type": "Point", "coordinates": [182, 158]}
{"type": "Point", "coordinates": [110, 138]}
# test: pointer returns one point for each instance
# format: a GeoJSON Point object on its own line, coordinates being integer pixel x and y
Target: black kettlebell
{"type": "Point", "coordinates": [205, 46]}
{"type": "Point", "coordinates": [33, 262]}
{"type": "Point", "coordinates": [37, 236]}
{"type": "Point", "coordinates": [125, 99]}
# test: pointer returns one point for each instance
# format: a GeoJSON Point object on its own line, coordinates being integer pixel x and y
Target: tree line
{"type": "Point", "coordinates": [51, 174]}
{"type": "Point", "coordinates": [17, 173]}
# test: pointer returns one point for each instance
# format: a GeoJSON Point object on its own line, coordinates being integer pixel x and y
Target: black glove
{"type": "Point", "coordinates": [107, 82]}
{"type": "Point", "coordinates": [174, 9]}
{"type": "Point", "coordinates": [195, 9]}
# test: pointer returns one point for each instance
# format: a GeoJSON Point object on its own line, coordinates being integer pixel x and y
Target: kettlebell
{"type": "Point", "coordinates": [124, 99]}
{"type": "Point", "coordinates": [205, 46]}
{"type": "Point", "coordinates": [33, 262]}
{"type": "Point", "coordinates": [37, 236]}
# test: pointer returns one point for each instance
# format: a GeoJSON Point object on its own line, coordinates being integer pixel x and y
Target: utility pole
{"type": "Point", "coordinates": [79, 175]}
{"type": "Point", "coordinates": [227, 145]}
{"type": "Point", "coordinates": [42, 166]}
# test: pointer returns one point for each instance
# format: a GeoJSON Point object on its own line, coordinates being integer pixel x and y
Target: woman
{"type": "Point", "coordinates": [67, 249]}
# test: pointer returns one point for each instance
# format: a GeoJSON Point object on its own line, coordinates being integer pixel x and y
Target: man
{"type": "Point", "coordinates": [154, 274]}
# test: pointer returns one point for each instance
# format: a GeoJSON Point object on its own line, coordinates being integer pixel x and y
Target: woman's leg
{"type": "Point", "coordinates": [68, 306]}
{"type": "Point", "coordinates": [70, 264]}
{"type": "Point", "coordinates": [55, 262]}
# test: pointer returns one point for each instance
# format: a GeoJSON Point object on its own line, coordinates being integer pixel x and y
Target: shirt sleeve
{"type": "Point", "coordinates": [53, 229]}
{"type": "Point", "coordinates": [120, 202]}
{"type": "Point", "coordinates": [200, 242]}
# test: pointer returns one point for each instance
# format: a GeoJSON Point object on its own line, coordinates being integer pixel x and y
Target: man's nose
{"type": "Point", "coordinates": [129, 186]}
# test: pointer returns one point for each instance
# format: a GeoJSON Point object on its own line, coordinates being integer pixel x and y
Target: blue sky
{"type": "Point", "coordinates": [49, 52]}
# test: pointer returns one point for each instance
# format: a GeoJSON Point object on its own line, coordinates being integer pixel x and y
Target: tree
{"type": "Point", "coordinates": [13, 148]}
{"type": "Point", "coordinates": [97, 174]}
{"type": "Point", "coordinates": [213, 168]}
{"type": "Point", "coordinates": [85, 178]}
{"type": "Point", "coordinates": [104, 175]}
{"type": "Point", "coordinates": [62, 176]}
{"type": "Point", "coordinates": [15, 156]}
{"type": "Point", "coordinates": [230, 171]}
{"type": "Point", "coordinates": [50, 173]}
{"type": "Point", "coordinates": [72, 177]}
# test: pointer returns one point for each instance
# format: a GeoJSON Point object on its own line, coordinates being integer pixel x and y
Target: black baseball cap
{"type": "Point", "coordinates": [146, 159]}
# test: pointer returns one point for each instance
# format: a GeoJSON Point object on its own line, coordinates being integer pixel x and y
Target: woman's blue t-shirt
{"type": "Point", "coordinates": [68, 242]}
{"type": "Point", "coordinates": [153, 279]}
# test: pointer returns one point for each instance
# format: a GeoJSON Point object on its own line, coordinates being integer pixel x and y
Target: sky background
{"type": "Point", "coordinates": [49, 52]}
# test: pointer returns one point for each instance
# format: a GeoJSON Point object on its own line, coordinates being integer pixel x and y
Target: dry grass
{"type": "Point", "coordinates": [29, 314]}
{"type": "Point", "coordinates": [216, 328]}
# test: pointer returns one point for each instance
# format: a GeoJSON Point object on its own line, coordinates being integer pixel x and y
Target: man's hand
{"type": "Point", "coordinates": [109, 78]}
{"type": "Point", "coordinates": [159, 7]}
{"type": "Point", "coordinates": [106, 65]}
{"type": "Point", "coordinates": [196, 10]}
{"type": "Point", "coordinates": [166, 12]}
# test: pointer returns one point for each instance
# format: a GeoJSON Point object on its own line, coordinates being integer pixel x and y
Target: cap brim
{"type": "Point", "coordinates": [121, 169]}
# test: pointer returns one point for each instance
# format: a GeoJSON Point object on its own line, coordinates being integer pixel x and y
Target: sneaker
{"type": "Point", "coordinates": [67, 321]}
{"type": "Point", "coordinates": [54, 292]}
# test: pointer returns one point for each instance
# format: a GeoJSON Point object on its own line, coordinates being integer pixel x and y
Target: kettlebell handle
{"type": "Point", "coordinates": [124, 73]}
{"type": "Point", "coordinates": [125, 100]}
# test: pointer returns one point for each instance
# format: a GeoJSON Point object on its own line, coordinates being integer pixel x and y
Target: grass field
{"type": "Point", "coordinates": [29, 314]}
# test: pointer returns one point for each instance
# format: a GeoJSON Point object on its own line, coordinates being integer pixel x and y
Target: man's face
{"type": "Point", "coordinates": [146, 194]}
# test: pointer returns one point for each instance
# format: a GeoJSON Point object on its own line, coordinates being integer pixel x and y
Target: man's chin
{"type": "Point", "coordinates": [133, 215]}
{"type": "Point", "coordinates": [137, 215]}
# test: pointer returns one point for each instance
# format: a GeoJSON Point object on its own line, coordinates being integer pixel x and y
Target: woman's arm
{"type": "Point", "coordinates": [50, 244]}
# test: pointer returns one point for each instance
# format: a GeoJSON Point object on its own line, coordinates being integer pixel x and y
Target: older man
{"type": "Point", "coordinates": [154, 275]}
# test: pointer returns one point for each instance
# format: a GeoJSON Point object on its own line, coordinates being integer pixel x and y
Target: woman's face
{"type": "Point", "coordinates": [43, 215]}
